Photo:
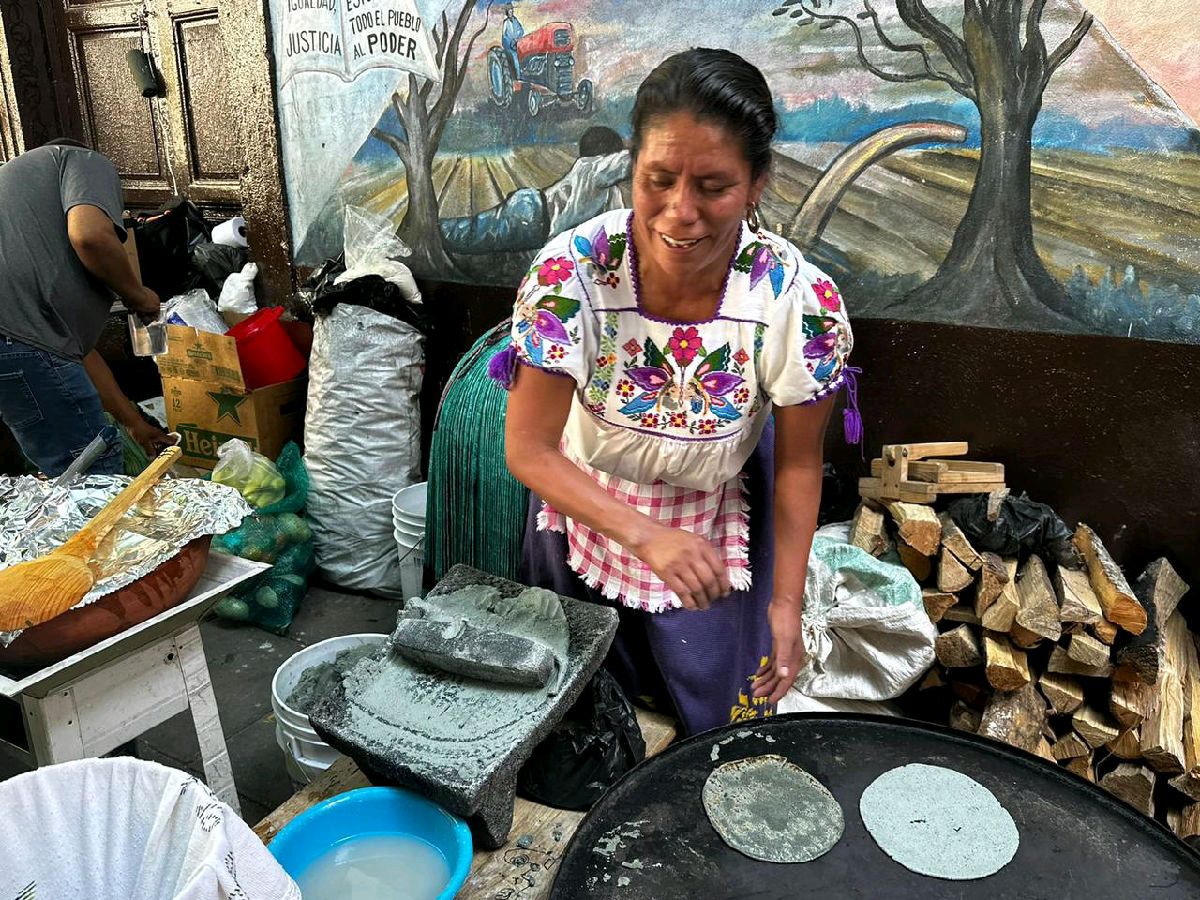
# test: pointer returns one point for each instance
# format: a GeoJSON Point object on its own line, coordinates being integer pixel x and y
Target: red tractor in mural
{"type": "Point", "coordinates": [538, 67]}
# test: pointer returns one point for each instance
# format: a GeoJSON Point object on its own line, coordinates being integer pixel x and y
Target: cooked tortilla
{"type": "Point", "coordinates": [772, 810]}
{"type": "Point", "coordinates": [939, 822]}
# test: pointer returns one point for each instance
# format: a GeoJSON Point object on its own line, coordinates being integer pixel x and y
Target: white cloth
{"type": "Point", "coordinates": [684, 403]}
{"type": "Point", "coordinates": [127, 829]}
{"type": "Point", "coordinates": [587, 190]}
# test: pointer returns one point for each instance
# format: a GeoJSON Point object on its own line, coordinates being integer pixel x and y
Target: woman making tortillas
{"type": "Point", "coordinates": [655, 345]}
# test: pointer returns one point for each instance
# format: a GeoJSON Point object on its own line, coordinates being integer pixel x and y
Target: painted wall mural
{"type": "Point", "coordinates": [989, 162]}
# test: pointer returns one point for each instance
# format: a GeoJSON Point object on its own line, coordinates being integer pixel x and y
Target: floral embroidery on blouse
{"type": "Point", "coordinates": [541, 319]}
{"type": "Point", "coordinates": [683, 395]}
{"type": "Point", "coordinates": [603, 255]}
{"type": "Point", "coordinates": [761, 259]}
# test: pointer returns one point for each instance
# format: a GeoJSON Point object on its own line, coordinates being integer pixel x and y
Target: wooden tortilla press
{"type": "Point", "coordinates": [40, 589]}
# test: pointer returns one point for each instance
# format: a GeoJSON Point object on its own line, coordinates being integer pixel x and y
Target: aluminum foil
{"type": "Point", "coordinates": [38, 516]}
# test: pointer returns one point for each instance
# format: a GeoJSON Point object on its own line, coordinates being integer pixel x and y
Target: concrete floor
{"type": "Point", "coordinates": [242, 660]}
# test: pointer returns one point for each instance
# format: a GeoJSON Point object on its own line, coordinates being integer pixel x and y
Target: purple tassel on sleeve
{"type": "Point", "coordinates": [851, 417]}
{"type": "Point", "coordinates": [502, 368]}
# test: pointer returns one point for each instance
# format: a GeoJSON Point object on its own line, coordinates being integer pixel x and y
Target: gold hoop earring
{"type": "Point", "coordinates": [752, 217]}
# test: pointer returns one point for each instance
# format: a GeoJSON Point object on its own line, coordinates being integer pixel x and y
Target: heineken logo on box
{"type": "Point", "coordinates": [202, 443]}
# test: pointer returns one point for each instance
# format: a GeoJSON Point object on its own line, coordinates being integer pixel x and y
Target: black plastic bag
{"type": "Point", "coordinates": [1021, 527]}
{"type": "Point", "coordinates": [164, 245]}
{"type": "Point", "coordinates": [373, 292]}
{"type": "Point", "coordinates": [213, 263]}
{"type": "Point", "coordinates": [597, 743]}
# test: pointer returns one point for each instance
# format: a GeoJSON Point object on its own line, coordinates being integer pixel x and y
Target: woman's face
{"type": "Point", "coordinates": [691, 188]}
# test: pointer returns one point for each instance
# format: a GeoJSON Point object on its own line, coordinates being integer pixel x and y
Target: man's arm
{"type": "Point", "coordinates": [92, 235]}
{"type": "Point", "coordinates": [121, 408]}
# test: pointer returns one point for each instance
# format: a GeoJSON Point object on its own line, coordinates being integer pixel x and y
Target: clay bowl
{"type": "Point", "coordinates": [78, 629]}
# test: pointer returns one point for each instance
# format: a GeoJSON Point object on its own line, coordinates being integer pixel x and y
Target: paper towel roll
{"type": "Point", "coordinates": [231, 233]}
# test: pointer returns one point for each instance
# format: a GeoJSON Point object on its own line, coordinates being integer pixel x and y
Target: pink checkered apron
{"type": "Point", "coordinates": [720, 515]}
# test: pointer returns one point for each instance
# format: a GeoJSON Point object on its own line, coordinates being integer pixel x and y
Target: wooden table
{"type": "Point", "coordinates": [112, 692]}
{"type": "Point", "coordinates": [508, 873]}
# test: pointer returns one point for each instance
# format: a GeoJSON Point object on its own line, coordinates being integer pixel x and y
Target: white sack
{"type": "Point", "coordinates": [127, 829]}
{"type": "Point", "coordinates": [362, 438]}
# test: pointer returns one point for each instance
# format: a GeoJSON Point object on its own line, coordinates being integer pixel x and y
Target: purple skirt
{"type": "Point", "coordinates": [698, 665]}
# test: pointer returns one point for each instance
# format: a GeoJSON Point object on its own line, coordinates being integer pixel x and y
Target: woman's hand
{"type": "Point", "coordinates": [775, 678]}
{"type": "Point", "coordinates": [687, 564]}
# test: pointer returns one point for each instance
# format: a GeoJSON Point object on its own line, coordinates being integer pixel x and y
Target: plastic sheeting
{"type": "Point", "coordinates": [866, 632]}
{"type": "Point", "coordinates": [362, 437]}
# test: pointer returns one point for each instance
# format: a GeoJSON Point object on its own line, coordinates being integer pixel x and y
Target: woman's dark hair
{"type": "Point", "coordinates": [713, 85]}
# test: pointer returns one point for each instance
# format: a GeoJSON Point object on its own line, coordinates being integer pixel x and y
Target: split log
{"type": "Point", "coordinates": [952, 575]}
{"type": "Point", "coordinates": [869, 529]}
{"type": "Point", "coordinates": [1105, 631]}
{"type": "Point", "coordinates": [1037, 618]}
{"type": "Point", "coordinates": [1044, 750]}
{"type": "Point", "coordinates": [1094, 727]}
{"type": "Point", "coordinates": [1077, 602]}
{"type": "Point", "coordinates": [1088, 650]}
{"type": "Point", "coordinates": [1062, 664]}
{"type": "Point", "coordinates": [1070, 746]}
{"type": "Point", "coordinates": [1130, 702]}
{"type": "Point", "coordinates": [995, 500]}
{"type": "Point", "coordinates": [1189, 782]}
{"type": "Point", "coordinates": [1159, 590]}
{"type": "Point", "coordinates": [956, 542]}
{"type": "Point", "coordinates": [1002, 612]}
{"type": "Point", "coordinates": [1127, 745]}
{"type": "Point", "coordinates": [993, 576]}
{"type": "Point", "coordinates": [1187, 825]}
{"type": "Point", "coordinates": [960, 612]}
{"type": "Point", "coordinates": [970, 692]}
{"type": "Point", "coordinates": [1015, 717]}
{"type": "Point", "coordinates": [936, 603]}
{"type": "Point", "coordinates": [1117, 600]}
{"type": "Point", "coordinates": [1133, 784]}
{"type": "Point", "coordinates": [1162, 732]}
{"type": "Point", "coordinates": [1064, 693]}
{"type": "Point", "coordinates": [963, 718]}
{"type": "Point", "coordinates": [1007, 667]}
{"type": "Point", "coordinates": [933, 679]}
{"type": "Point", "coordinates": [958, 648]}
{"type": "Point", "coordinates": [1082, 766]}
{"type": "Point", "coordinates": [918, 525]}
{"type": "Point", "coordinates": [917, 563]}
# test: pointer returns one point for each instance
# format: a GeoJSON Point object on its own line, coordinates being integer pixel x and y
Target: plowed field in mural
{"type": "Point", "coordinates": [1090, 211]}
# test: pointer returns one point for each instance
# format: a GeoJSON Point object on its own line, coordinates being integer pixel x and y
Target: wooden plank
{"type": "Point", "coordinates": [1117, 600]}
{"type": "Point", "coordinates": [935, 448]}
{"type": "Point", "coordinates": [945, 471]}
{"type": "Point", "coordinates": [1037, 619]}
{"type": "Point", "coordinates": [658, 731]}
{"type": "Point", "coordinates": [1007, 668]}
{"type": "Point", "coordinates": [910, 492]}
{"type": "Point", "coordinates": [918, 526]}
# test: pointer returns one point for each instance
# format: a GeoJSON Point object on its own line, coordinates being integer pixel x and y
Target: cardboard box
{"type": "Point", "coordinates": [208, 404]}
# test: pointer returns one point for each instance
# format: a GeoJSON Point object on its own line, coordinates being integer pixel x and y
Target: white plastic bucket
{"type": "Point", "coordinates": [409, 504]}
{"type": "Point", "coordinates": [412, 568]}
{"type": "Point", "coordinates": [307, 755]}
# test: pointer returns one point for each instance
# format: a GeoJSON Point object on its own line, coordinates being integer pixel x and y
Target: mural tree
{"type": "Point", "coordinates": [1001, 63]}
{"type": "Point", "coordinates": [423, 112]}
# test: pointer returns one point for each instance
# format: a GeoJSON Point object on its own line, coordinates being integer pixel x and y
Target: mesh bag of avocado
{"type": "Point", "coordinates": [278, 534]}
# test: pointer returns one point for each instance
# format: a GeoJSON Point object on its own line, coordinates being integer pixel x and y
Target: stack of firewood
{"type": "Point", "coordinates": [1078, 667]}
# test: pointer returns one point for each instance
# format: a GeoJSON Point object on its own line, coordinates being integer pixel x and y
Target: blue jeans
{"type": "Point", "coordinates": [53, 410]}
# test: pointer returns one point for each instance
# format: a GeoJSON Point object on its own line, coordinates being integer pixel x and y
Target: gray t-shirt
{"type": "Point", "coordinates": [47, 298]}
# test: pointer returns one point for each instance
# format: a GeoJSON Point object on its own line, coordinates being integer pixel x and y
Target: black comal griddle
{"type": "Point", "coordinates": [649, 836]}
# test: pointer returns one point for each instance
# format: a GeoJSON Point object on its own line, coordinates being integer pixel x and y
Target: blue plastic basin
{"type": "Point", "coordinates": [374, 811]}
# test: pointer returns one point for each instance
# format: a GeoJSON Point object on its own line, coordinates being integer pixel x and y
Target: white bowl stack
{"type": "Point", "coordinates": [408, 515]}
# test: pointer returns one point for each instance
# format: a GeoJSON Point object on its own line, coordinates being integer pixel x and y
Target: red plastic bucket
{"type": "Point", "coordinates": [265, 351]}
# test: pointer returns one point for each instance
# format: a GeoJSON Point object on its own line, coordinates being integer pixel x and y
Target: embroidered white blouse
{"type": "Point", "coordinates": [681, 402]}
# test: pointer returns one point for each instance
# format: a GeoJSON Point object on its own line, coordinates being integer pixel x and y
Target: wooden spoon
{"type": "Point", "coordinates": [40, 589]}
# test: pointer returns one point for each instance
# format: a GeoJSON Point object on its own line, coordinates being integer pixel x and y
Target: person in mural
{"type": "Point", "coordinates": [676, 370]}
{"type": "Point", "coordinates": [513, 32]}
{"type": "Point", "coordinates": [61, 252]}
{"type": "Point", "coordinates": [528, 217]}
